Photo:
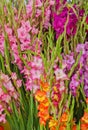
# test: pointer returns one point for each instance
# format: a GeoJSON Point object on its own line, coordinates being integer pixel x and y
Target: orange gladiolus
{"type": "Point", "coordinates": [84, 127]}
{"type": "Point", "coordinates": [42, 121]}
{"type": "Point", "coordinates": [43, 105]}
{"type": "Point", "coordinates": [45, 86]}
{"type": "Point", "coordinates": [53, 123]}
{"type": "Point", "coordinates": [63, 127]}
{"type": "Point", "coordinates": [43, 115]}
{"type": "Point", "coordinates": [46, 102]}
{"type": "Point", "coordinates": [64, 117]}
{"type": "Point", "coordinates": [74, 127]}
{"type": "Point", "coordinates": [53, 128]}
{"type": "Point", "coordinates": [86, 100]}
{"type": "Point", "coordinates": [85, 117]}
{"type": "Point", "coordinates": [40, 95]}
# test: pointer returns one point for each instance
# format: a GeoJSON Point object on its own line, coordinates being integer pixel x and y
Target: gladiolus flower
{"type": "Point", "coordinates": [53, 128]}
{"type": "Point", "coordinates": [44, 115]}
{"type": "Point", "coordinates": [42, 121]}
{"type": "Point", "coordinates": [86, 100]}
{"type": "Point", "coordinates": [74, 127]}
{"type": "Point", "coordinates": [85, 117]}
{"type": "Point", "coordinates": [45, 86]}
{"type": "Point", "coordinates": [84, 126]}
{"type": "Point", "coordinates": [53, 123]}
{"type": "Point", "coordinates": [55, 89]}
{"type": "Point", "coordinates": [40, 95]}
{"type": "Point", "coordinates": [64, 117]}
{"type": "Point", "coordinates": [63, 127]}
{"type": "Point", "coordinates": [43, 105]}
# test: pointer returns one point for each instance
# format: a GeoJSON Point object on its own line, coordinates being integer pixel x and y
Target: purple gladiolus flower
{"type": "Point", "coordinates": [86, 90]}
{"type": "Point", "coordinates": [69, 61]}
{"type": "Point", "coordinates": [60, 20]}
{"type": "Point", "coordinates": [74, 84]}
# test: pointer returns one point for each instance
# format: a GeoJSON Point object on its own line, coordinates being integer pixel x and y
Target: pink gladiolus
{"type": "Point", "coordinates": [19, 83]}
{"type": "Point", "coordinates": [38, 12]}
{"type": "Point", "coordinates": [22, 33]}
{"type": "Point", "coordinates": [1, 92]}
{"type": "Point", "coordinates": [34, 30]}
{"type": "Point", "coordinates": [37, 62]}
{"type": "Point", "coordinates": [38, 3]}
{"type": "Point", "coordinates": [52, 2]}
{"type": "Point", "coordinates": [36, 74]}
{"type": "Point", "coordinates": [29, 8]}
{"type": "Point", "coordinates": [8, 30]}
{"type": "Point", "coordinates": [26, 25]}
{"type": "Point", "coordinates": [2, 118]}
{"type": "Point", "coordinates": [60, 75]}
{"type": "Point", "coordinates": [6, 98]}
{"type": "Point", "coordinates": [14, 76]}
{"type": "Point", "coordinates": [2, 44]}
{"type": "Point", "coordinates": [47, 17]}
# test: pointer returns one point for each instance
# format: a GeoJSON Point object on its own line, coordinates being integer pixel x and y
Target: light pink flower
{"type": "Point", "coordinates": [19, 83]}
{"type": "Point", "coordinates": [35, 74]}
{"type": "Point", "coordinates": [8, 85]}
{"type": "Point", "coordinates": [62, 86]}
{"type": "Point", "coordinates": [25, 71]}
{"type": "Point", "coordinates": [19, 64]}
{"type": "Point", "coordinates": [38, 12]}
{"type": "Point", "coordinates": [15, 48]}
{"type": "Point", "coordinates": [16, 56]}
{"type": "Point", "coordinates": [29, 84]}
{"type": "Point", "coordinates": [60, 75]}
{"type": "Point", "coordinates": [29, 8]}
{"type": "Point", "coordinates": [14, 76]}
{"type": "Point", "coordinates": [1, 92]}
{"type": "Point", "coordinates": [4, 78]}
{"type": "Point", "coordinates": [3, 118]}
{"type": "Point", "coordinates": [22, 33]}
{"type": "Point", "coordinates": [25, 42]}
{"type": "Point", "coordinates": [52, 2]}
{"type": "Point", "coordinates": [35, 87]}
{"type": "Point", "coordinates": [37, 62]}
{"type": "Point", "coordinates": [26, 25]}
{"type": "Point", "coordinates": [8, 30]}
{"type": "Point", "coordinates": [47, 17]}
{"type": "Point", "coordinates": [38, 3]}
{"type": "Point", "coordinates": [6, 98]}
{"type": "Point", "coordinates": [12, 40]}
{"type": "Point", "coordinates": [34, 30]}
{"type": "Point", "coordinates": [32, 86]}
{"type": "Point", "coordinates": [15, 95]}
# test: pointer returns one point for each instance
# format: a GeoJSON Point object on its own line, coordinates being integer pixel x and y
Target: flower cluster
{"type": "Point", "coordinates": [43, 107]}
{"type": "Point", "coordinates": [7, 92]}
{"type": "Point", "coordinates": [33, 75]}
{"type": "Point", "coordinates": [44, 64]}
{"type": "Point", "coordinates": [83, 65]}
{"type": "Point", "coordinates": [66, 19]}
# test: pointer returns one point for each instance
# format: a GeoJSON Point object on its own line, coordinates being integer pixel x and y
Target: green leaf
{"type": "Point", "coordinates": [30, 114]}
{"type": "Point", "coordinates": [2, 65]}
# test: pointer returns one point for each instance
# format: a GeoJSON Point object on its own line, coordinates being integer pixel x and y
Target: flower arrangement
{"type": "Point", "coordinates": [44, 64]}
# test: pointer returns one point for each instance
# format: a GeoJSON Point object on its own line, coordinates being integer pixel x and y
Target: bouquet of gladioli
{"type": "Point", "coordinates": [44, 64]}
